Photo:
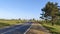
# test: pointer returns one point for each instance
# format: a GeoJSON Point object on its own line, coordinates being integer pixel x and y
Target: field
{"type": "Point", "coordinates": [4, 22]}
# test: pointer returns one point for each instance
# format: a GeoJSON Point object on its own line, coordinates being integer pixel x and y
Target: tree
{"type": "Point", "coordinates": [49, 11]}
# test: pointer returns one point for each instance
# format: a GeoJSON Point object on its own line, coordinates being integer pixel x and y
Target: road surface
{"type": "Point", "coordinates": [17, 29]}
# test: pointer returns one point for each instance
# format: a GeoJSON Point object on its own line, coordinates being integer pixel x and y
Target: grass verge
{"type": "Point", "coordinates": [4, 23]}
{"type": "Point", "coordinates": [53, 29]}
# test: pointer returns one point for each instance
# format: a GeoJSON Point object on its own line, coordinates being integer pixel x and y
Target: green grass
{"type": "Point", "coordinates": [4, 23]}
{"type": "Point", "coordinates": [53, 29]}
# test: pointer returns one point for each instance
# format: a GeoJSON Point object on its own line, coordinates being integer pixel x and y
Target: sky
{"type": "Point", "coordinates": [24, 9]}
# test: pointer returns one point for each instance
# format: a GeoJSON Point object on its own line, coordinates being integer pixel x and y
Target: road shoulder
{"type": "Point", "coordinates": [37, 28]}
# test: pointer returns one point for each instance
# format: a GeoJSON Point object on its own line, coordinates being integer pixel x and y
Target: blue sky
{"type": "Point", "coordinates": [26, 9]}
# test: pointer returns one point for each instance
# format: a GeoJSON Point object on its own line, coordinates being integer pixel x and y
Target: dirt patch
{"type": "Point", "coordinates": [37, 29]}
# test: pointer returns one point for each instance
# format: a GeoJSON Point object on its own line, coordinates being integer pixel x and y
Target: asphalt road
{"type": "Point", "coordinates": [17, 29]}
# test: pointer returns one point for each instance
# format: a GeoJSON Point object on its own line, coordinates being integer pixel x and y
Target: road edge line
{"type": "Point", "coordinates": [28, 29]}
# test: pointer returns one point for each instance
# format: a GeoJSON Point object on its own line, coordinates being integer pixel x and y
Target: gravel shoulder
{"type": "Point", "coordinates": [37, 28]}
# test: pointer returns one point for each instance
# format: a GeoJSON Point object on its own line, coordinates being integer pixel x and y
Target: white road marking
{"type": "Point", "coordinates": [28, 29]}
{"type": "Point", "coordinates": [14, 29]}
